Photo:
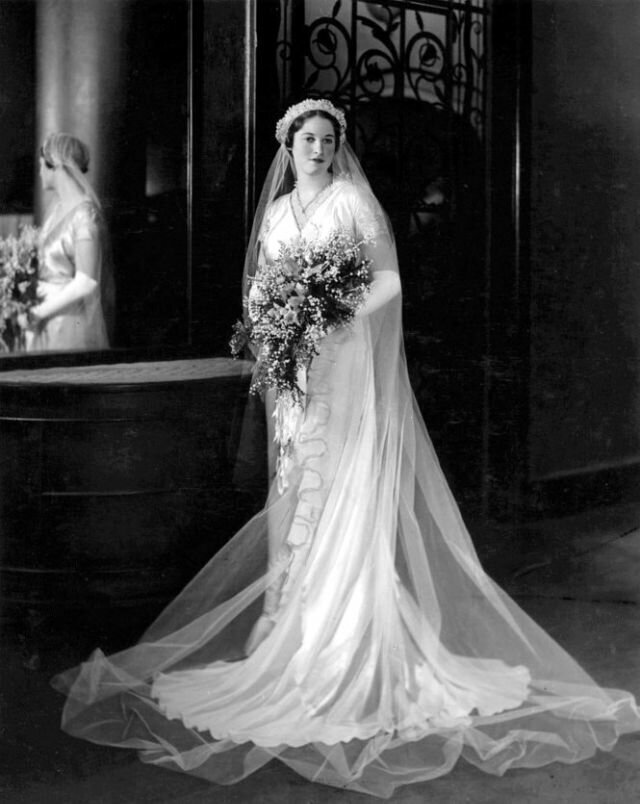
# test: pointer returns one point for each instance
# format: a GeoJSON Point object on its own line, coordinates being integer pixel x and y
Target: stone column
{"type": "Point", "coordinates": [87, 86]}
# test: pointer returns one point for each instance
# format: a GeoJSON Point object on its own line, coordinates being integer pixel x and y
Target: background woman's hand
{"type": "Point", "coordinates": [32, 320]}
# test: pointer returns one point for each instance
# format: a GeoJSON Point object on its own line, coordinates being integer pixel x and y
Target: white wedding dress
{"type": "Point", "coordinates": [348, 629]}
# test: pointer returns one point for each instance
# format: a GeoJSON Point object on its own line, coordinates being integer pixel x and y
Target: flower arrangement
{"type": "Point", "coordinates": [18, 286]}
{"type": "Point", "coordinates": [311, 288]}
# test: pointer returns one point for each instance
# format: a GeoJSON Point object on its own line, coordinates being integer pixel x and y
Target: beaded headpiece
{"type": "Point", "coordinates": [310, 105]}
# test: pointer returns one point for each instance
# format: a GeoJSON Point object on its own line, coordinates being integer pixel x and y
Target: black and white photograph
{"type": "Point", "coordinates": [319, 401]}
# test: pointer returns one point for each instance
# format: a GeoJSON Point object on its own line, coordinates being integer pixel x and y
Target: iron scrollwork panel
{"type": "Point", "coordinates": [428, 50]}
{"type": "Point", "coordinates": [411, 75]}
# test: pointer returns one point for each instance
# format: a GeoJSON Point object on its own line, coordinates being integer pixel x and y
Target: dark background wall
{"type": "Point", "coordinates": [233, 146]}
{"type": "Point", "coordinates": [17, 104]}
{"type": "Point", "coordinates": [585, 244]}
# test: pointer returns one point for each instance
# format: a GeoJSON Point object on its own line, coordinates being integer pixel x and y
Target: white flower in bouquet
{"type": "Point", "coordinates": [311, 288]}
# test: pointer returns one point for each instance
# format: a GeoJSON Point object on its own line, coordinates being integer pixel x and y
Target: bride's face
{"type": "Point", "coordinates": [314, 146]}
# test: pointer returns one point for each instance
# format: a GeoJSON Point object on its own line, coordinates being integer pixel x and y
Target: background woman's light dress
{"type": "Point", "coordinates": [390, 653]}
{"type": "Point", "coordinates": [81, 325]}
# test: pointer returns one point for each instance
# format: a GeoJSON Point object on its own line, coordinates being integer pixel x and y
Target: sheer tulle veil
{"type": "Point", "coordinates": [393, 654]}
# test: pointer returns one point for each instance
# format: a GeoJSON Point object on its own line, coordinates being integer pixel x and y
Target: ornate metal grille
{"type": "Point", "coordinates": [353, 51]}
{"type": "Point", "coordinates": [412, 77]}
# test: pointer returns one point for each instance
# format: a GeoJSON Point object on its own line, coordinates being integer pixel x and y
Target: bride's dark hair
{"type": "Point", "coordinates": [302, 118]}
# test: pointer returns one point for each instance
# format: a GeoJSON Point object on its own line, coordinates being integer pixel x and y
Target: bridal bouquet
{"type": "Point", "coordinates": [310, 289]}
{"type": "Point", "coordinates": [18, 286]}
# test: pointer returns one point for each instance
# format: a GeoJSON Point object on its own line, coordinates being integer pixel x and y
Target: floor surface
{"type": "Point", "coordinates": [579, 577]}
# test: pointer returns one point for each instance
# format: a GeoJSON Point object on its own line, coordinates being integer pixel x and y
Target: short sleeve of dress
{"type": "Point", "coordinates": [266, 223]}
{"type": "Point", "coordinates": [369, 223]}
{"type": "Point", "coordinates": [368, 218]}
{"type": "Point", "coordinates": [273, 213]}
{"type": "Point", "coordinates": [265, 228]}
{"type": "Point", "coordinates": [272, 221]}
{"type": "Point", "coordinates": [85, 224]}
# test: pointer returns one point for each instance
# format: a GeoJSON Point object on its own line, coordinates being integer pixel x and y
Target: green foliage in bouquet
{"type": "Point", "coordinates": [311, 288]}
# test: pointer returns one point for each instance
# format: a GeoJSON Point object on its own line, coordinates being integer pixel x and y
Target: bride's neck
{"type": "Point", "coordinates": [308, 187]}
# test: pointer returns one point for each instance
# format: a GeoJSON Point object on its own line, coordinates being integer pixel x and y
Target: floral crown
{"type": "Point", "coordinates": [310, 105]}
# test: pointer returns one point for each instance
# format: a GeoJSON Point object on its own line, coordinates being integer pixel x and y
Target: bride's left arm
{"type": "Point", "coordinates": [385, 281]}
{"type": "Point", "coordinates": [372, 226]}
{"type": "Point", "coordinates": [384, 287]}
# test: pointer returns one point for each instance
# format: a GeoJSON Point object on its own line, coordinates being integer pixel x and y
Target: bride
{"type": "Point", "coordinates": [348, 629]}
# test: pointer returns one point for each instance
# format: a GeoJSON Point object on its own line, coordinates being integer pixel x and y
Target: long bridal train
{"type": "Point", "coordinates": [390, 653]}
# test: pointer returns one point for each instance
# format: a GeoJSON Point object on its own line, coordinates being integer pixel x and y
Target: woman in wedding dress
{"type": "Point", "coordinates": [73, 279]}
{"type": "Point", "coordinates": [348, 629]}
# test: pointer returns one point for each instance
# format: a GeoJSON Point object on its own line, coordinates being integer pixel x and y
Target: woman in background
{"type": "Point", "coordinates": [73, 280]}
